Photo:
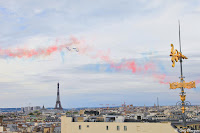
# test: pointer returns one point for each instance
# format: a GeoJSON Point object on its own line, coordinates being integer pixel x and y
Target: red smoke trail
{"type": "Point", "coordinates": [28, 53]}
{"type": "Point", "coordinates": [161, 78]}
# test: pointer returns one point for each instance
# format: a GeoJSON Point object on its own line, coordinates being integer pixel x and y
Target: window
{"type": "Point", "coordinates": [118, 128]}
{"type": "Point", "coordinates": [79, 127]}
{"type": "Point", "coordinates": [88, 126]}
{"type": "Point", "coordinates": [125, 128]}
{"type": "Point", "coordinates": [106, 127]}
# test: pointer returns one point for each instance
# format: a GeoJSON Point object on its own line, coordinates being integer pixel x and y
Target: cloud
{"type": "Point", "coordinates": [141, 30]}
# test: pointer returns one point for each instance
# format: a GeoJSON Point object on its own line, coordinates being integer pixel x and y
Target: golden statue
{"type": "Point", "coordinates": [176, 55]}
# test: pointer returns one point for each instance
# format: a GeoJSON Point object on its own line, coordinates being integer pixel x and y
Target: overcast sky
{"type": "Point", "coordinates": [127, 30]}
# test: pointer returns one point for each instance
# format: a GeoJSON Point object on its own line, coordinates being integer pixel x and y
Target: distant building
{"type": "Point", "coordinates": [57, 130]}
{"type": "Point", "coordinates": [29, 109]}
{"type": "Point", "coordinates": [36, 108]}
{"type": "Point", "coordinates": [52, 119]}
{"type": "Point", "coordinates": [43, 107]}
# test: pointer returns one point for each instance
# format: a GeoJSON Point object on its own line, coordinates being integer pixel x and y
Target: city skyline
{"type": "Point", "coordinates": [126, 59]}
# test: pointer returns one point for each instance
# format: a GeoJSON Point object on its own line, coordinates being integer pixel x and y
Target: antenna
{"type": "Point", "coordinates": [181, 68]}
{"type": "Point", "coordinates": [179, 35]}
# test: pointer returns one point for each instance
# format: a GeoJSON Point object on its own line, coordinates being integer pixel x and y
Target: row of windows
{"type": "Point", "coordinates": [107, 128]}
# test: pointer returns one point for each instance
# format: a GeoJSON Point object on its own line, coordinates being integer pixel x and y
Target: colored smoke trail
{"type": "Point", "coordinates": [161, 78]}
{"type": "Point", "coordinates": [197, 81]}
{"type": "Point", "coordinates": [148, 67]}
{"type": "Point", "coordinates": [28, 53]}
{"type": "Point", "coordinates": [125, 65]}
{"type": "Point", "coordinates": [157, 71]}
{"type": "Point", "coordinates": [132, 66]}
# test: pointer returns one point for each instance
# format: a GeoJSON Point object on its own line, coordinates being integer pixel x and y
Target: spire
{"type": "Point", "coordinates": [157, 103]}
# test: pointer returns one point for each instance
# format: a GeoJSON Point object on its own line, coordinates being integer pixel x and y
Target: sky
{"type": "Point", "coordinates": [101, 52]}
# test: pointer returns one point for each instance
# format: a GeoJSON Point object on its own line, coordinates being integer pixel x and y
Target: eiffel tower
{"type": "Point", "coordinates": [58, 103]}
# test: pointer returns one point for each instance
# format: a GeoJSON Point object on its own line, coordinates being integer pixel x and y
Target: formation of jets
{"type": "Point", "coordinates": [75, 49]}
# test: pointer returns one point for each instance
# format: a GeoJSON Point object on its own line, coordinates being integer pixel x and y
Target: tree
{"type": "Point", "coordinates": [36, 111]}
{"type": "Point", "coordinates": [31, 113]}
{"type": "Point", "coordinates": [75, 113]}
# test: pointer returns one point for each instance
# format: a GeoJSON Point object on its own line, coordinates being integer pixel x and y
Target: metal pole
{"type": "Point", "coordinates": [181, 79]}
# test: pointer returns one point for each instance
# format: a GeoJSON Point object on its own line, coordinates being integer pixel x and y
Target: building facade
{"type": "Point", "coordinates": [67, 126]}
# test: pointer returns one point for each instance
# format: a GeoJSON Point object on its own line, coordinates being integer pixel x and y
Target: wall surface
{"type": "Point", "coordinates": [67, 126]}
{"type": "Point", "coordinates": [1, 129]}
